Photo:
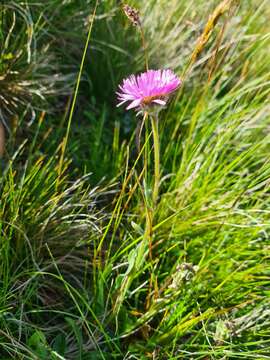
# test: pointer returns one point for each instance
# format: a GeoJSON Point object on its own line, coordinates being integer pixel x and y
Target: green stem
{"type": "Point", "coordinates": [76, 91]}
{"type": "Point", "coordinates": [154, 122]}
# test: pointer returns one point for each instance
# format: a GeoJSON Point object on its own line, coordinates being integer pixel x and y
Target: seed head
{"type": "Point", "coordinates": [132, 14]}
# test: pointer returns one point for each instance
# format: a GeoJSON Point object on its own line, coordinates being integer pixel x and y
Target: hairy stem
{"type": "Point", "coordinates": [154, 122]}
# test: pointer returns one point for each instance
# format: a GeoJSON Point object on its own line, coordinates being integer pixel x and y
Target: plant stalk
{"type": "Point", "coordinates": [154, 123]}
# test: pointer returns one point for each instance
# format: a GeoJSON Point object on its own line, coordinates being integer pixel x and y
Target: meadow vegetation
{"type": "Point", "coordinates": [77, 279]}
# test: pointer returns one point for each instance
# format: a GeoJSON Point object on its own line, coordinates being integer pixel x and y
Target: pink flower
{"type": "Point", "coordinates": [149, 88]}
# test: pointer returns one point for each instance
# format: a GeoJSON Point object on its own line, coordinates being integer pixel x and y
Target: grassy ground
{"type": "Point", "coordinates": [78, 279]}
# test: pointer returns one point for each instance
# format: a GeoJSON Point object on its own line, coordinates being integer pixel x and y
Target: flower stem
{"type": "Point", "coordinates": [154, 122]}
{"type": "Point", "coordinates": [144, 48]}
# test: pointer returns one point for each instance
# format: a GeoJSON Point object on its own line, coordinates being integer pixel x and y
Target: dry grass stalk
{"type": "Point", "coordinates": [222, 8]}
{"type": "Point", "coordinates": [210, 25]}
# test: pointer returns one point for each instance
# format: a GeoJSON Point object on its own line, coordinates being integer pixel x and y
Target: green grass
{"type": "Point", "coordinates": [77, 278]}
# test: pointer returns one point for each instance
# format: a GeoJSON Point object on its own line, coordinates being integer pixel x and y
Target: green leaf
{"type": "Point", "coordinates": [37, 342]}
{"type": "Point", "coordinates": [78, 334]}
{"type": "Point", "coordinates": [59, 344]}
{"type": "Point", "coordinates": [137, 228]}
{"type": "Point", "coordinates": [131, 261]}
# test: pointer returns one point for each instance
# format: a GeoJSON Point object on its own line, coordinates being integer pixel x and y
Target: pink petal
{"type": "Point", "coordinates": [134, 104]}
{"type": "Point", "coordinates": [152, 83]}
{"type": "Point", "coordinates": [121, 103]}
{"type": "Point", "coordinates": [160, 102]}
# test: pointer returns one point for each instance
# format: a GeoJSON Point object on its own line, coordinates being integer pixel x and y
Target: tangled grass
{"type": "Point", "coordinates": [77, 280]}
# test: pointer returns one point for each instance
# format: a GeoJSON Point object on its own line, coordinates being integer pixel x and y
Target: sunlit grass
{"type": "Point", "coordinates": [77, 280]}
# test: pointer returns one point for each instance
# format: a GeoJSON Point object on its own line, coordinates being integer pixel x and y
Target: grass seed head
{"type": "Point", "coordinates": [132, 14]}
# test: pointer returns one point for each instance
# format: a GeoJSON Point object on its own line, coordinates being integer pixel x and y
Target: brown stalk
{"type": "Point", "coordinates": [134, 17]}
{"type": "Point", "coordinates": [222, 8]}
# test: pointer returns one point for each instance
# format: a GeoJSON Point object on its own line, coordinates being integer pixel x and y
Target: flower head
{"type": "Point", "coordinates": [150, 88]}
{"type": "Point", "coordinates": [132, 14]}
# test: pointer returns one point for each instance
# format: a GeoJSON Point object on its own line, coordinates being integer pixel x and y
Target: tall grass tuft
{"type": "Point", "coordinates": [29, 72]}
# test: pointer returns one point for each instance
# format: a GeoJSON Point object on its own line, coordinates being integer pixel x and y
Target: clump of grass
{"type": "Point", "coordinates": [210, 217]}
{"type": "Point", "coordinates": [29, 76]}
{"type": "Point", "coordinates": [48, 228]}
